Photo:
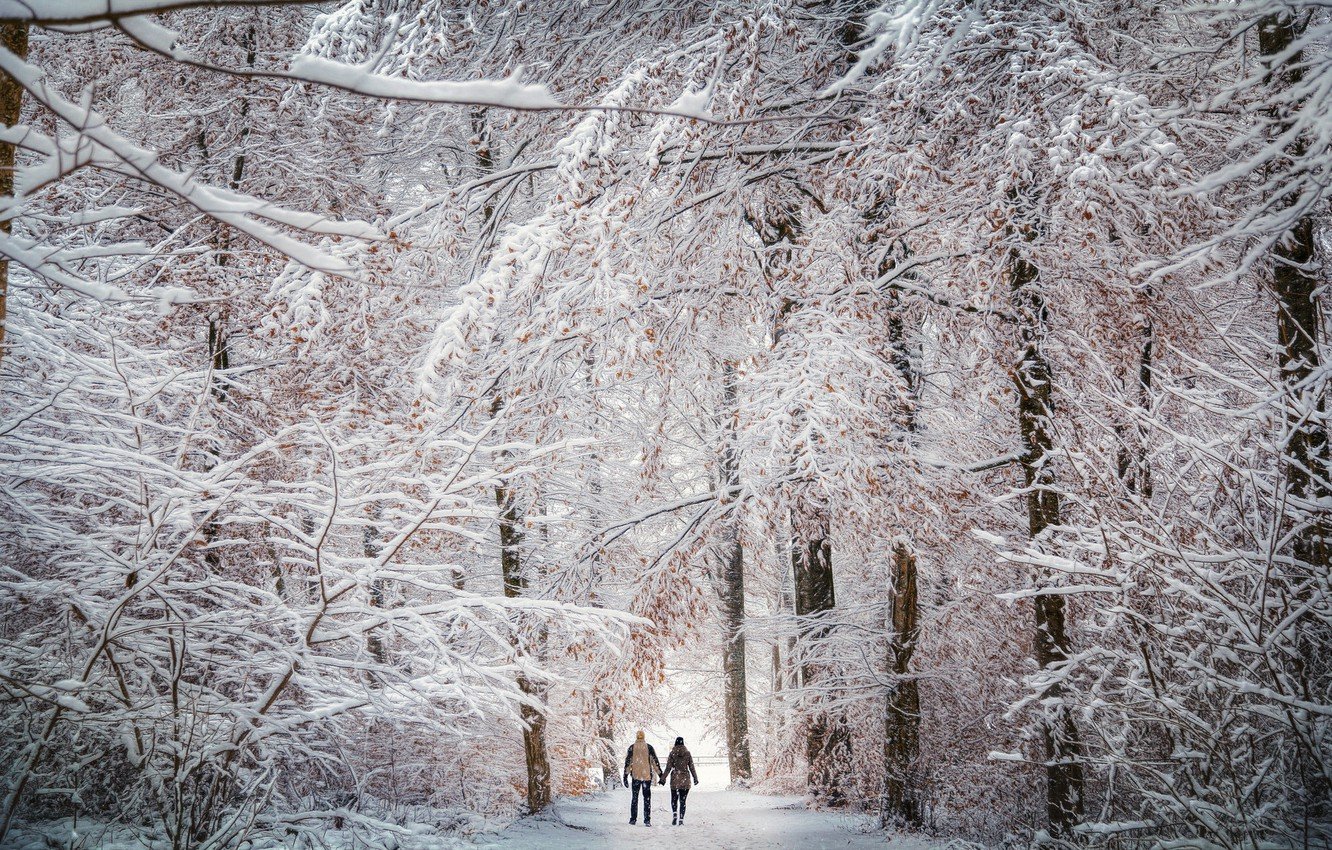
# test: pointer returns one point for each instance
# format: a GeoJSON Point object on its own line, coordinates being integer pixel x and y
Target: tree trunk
{"type": "Point", "coordinates": [313, 592]}
{"type": "Point", "coordinates": [374, 638]}
{"type": "Point", "coordinates": [1295, 288]}
{"type": "Point", "coordinates": [14, 38]}
{"type": "Point", "coordinates": [1059, 732]}
{"type": "Point", "coordinates": [732, 590]}
{"type": "Point", "coordinates": [1132, 465]}
{"type": "Point", "coordinates": [534, 749]}
{"type": "Point", "coordinates": [1298, 327]}
{"type": "Point", "coordinates": [784, 676]}
{"type": "Point", "coordinates": [606, 740]}
{"type": "Point", "coordinates": [828, 741]}
{"type": "Point", "coordinates": [902, 795]}
{"type": "Point", "coordinates": [787, 603]}
{"type": "Point", "coordinates": [601, 704]}
{"type": "Point", "coordinates": [901, 742]}
{"type": "Point", "coordinates": [534, 721]}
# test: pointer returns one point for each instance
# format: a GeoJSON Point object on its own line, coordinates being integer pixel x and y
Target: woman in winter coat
{"type": "Point", "coordinates": [679, 767]}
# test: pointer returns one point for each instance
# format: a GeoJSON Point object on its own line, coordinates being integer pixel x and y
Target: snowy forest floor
{"type": "Point", "coordinates": [718, 820]}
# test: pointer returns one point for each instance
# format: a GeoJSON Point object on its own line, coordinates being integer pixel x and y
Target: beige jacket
{"type": "Point", "coordinates": [641, 763]}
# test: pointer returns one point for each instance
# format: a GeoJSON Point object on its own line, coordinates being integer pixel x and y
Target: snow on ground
{"type": "Point", "coordinates": [718, 820]}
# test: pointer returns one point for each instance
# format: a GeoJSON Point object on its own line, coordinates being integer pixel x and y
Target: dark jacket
{"type": "Point", "coordinates": [654, 766]}
{"type": "Point", "coordinates": [680, 766]}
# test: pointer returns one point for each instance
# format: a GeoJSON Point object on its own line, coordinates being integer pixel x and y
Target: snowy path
{"type": "Point", "coordinates": [718, 820]}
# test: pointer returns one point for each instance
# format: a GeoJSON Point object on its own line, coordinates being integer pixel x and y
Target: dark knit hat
{"type": "Point", "coordinates": [679, 741]}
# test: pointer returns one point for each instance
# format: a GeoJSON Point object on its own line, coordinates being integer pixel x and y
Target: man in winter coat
{"type": "Point", "coordinates": [641, 763]}
{"type": "Point", "coordinates": [679, 767]}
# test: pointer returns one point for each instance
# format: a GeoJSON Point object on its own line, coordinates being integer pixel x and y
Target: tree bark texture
{"type": "Point", "coordinates": [375, 643]}
{"type": "Point", "coordinates": [515, 585]}
{"type": "Point", "coordinates": [731, 558]}
{"type": "Point", "coordinates": [1295, 289]}
{"type": "Point", "coordinates": [1132, 465]}
{"type": "Point", "coordinates": [1305, 455]}
{"type": "Point", "coordinates": [828, 741]}
{"type": "Point", "coordinates": [1063, 745]}
{"type": "Point", "coordinates": [606, 749]}
{"type": "Point", "coordinates": [901, 741]}
{"type": "Point", "coordinates": [784, 673]}
{"type": "Point", "coordinates": [903, 794]}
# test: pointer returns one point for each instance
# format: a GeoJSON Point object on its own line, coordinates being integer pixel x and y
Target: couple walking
{"type": "Point", "coordinates": [641, 764]}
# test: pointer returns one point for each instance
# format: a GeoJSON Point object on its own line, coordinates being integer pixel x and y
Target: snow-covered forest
{"type": "Point", "coordinates": [399, 399]}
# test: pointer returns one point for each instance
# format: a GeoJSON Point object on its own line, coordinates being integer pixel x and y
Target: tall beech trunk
{"type": "Point", "coordinates": [828, 740]}
{"type": "Point", "coordinates": [14, 37]}
{"type": "Point", "coordinates": [787, 604]}
{"type": "Point", "coordinates": [731, 587]}
{"type": "Point", "coordinates": [901, 740]}
{"type": "Point", "coordinates": [599, 703]}
{"type": "Point", "coordinates": [219, 358]}
{"type": "Point", "coordinates": [1063, 745]}
{"type": "Point", "coordinates": [375, 643]}
{"type": "Point", "coordinates": [605, 739]}
{"type": "Point", "coordinates": [515, 585]}
{"type": "Point", "coordinates": [784, 676]}
{"type": "Point", "coordinates": [1132, 465]}
{"type": "Point", "coordinates": [511, 539]}
{"type": "Point", "coordinates": [313, 580]}
{"type": "Point", "coordinates": [1295, 289]}
{"type": "Point", "coordinates": [902, 795]}
{"type": "Point", "coordinates": [219, 339]}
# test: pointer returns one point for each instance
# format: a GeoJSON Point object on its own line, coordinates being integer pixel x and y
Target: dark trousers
{"type": "Point", "coordinates": [644, 785]}
{"type": "Point", "coordinates": [678, 797]}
